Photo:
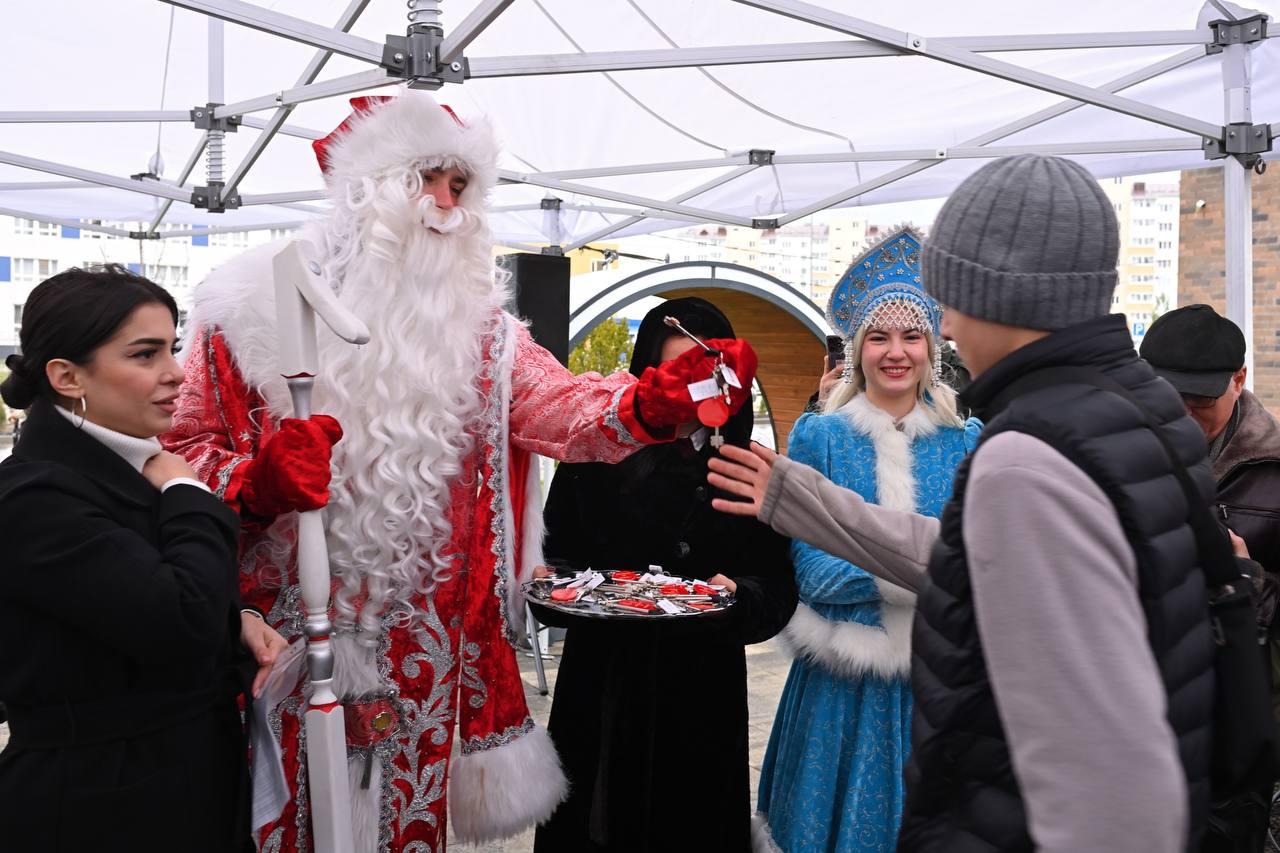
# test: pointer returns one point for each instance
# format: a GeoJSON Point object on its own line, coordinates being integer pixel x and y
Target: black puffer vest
{"type": "Point", "coordinates": [962, 796]}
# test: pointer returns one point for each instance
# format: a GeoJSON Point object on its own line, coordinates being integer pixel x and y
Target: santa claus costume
{"type": "Point", "coordinates": [433, 519]}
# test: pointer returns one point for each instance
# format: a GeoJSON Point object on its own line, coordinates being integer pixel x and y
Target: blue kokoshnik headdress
{"type": "Point", "coordinates": [882, 287]}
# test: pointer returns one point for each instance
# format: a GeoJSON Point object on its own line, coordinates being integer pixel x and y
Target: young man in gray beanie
{"type": "Point", "coordinates": [1061, 650]}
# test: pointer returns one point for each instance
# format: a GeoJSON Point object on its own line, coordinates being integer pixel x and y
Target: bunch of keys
{"type": "Point", "coordinates": [711, 395]}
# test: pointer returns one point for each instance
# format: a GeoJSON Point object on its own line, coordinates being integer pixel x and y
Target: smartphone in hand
{"type": "Point", "coordinates": [835, 351]}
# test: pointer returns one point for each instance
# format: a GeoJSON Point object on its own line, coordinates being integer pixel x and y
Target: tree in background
{"type": "Point", "coordinates": [606, 349]}
{"type": "Point", "coordinates": [1161, 306]}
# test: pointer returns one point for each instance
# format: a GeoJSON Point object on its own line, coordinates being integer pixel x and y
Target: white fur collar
{"type": "Point", "coordinates": [873, 421]}
{"type": "Point", "coordinates": [238, 299]}
{"type": "Point", "coordinates": [849, 648]}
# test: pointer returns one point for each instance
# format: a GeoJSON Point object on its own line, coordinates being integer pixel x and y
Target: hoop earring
{"type": "Point", "coordinates": [84, 401]}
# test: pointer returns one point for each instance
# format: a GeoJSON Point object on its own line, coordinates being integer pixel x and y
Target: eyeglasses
{"type": "Point", "coordinates": [1198, 401]}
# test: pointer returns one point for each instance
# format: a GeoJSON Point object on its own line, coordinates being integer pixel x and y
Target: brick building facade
{"type": "Point", "coordinates": [1202, 264]}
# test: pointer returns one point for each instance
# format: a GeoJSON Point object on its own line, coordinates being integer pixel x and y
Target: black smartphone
{"type": "Point", "coordinates": [835, 351]}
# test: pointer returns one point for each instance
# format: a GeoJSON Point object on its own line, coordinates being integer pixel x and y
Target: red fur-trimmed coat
{"type": "Point", "coordinates": [453, 669]}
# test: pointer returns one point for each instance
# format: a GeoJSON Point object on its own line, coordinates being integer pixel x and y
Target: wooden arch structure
{"type": "Point", "coordinates": [787, 330]}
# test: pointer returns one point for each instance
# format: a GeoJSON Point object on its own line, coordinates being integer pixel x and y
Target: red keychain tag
{"type": "Point", "coordinates": [713, 412]}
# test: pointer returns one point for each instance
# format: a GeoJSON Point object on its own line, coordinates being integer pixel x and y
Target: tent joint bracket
{"type": "Point", "coordinates": [203, 119]}
{"type": "Point", "coordinates": [760, 156]}
{"type": "Point", "coordinates": [415, 57]}
{"type": "Point", "coordinates": [765, 224]}
{"type": "Point", "coordinates": [1245, 31]}
{"type": "Point", "coordinates": [1241, 140]}
{"type": "Point", "coordinates": [144, 235]}
{"type": "Point", "coordinates": [210, 197]}
{"type": "Point", "coordinates": [549, 203]}
{"type": "Point", "coordinates": [553, 250]}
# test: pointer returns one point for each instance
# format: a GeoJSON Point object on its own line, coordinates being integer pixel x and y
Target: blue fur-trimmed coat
{"type": "Point", "coordinates": [832, 776]}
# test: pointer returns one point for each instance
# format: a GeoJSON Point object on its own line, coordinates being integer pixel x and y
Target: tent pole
{"type": "Point", "coordinates": [159, 189]}
{"type": "Point", "coordinates": [276, 123]}
{"type": "Point", "coordinates": [183, 176]}
{"type": "Point", "coordinates": [1005, 130]}
{"type": "Point", "coordinates": [1238, 200]}
{"type": "Point", "coordinates": [809, 13]}
{"type": "Point", "coordinates": [749, 54]}
{"type": "Point", "coordinates": [215, 150]}
{"type": "Point", "coordinates": [285, 26]}
{"type": "Point", "coordinates": [720, 180]}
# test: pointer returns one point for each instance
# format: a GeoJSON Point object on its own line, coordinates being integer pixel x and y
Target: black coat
{"type": "Point", "coordinates": [119, 627]}
{"type": "Point", "coordinates": [650, 720]}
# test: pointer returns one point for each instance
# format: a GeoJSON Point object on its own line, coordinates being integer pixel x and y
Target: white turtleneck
{"type": "Point", "coordinates": [136, 451]}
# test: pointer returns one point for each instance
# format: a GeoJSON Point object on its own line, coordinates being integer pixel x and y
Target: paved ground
{"type": "Point", "coordinates": [766, 671]}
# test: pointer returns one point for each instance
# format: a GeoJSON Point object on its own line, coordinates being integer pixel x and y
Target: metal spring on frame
{"type": "Point", "coordinates": [214, 155]}
{"type": "Point", "coordinates": [424, 13]}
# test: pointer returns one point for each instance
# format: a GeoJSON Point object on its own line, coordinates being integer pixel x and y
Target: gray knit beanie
{"type": "Point", "coordinates": [1027, 241]}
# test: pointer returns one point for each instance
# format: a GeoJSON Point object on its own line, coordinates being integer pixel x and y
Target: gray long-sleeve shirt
{"type": "Point", "coordinates": [1054, 584]}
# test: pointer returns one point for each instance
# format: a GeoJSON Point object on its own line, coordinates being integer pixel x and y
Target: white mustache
{"type": "Point", "coordinates": [451, 221]}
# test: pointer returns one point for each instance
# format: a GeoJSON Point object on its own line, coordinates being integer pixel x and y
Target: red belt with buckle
{"type": "Point", "coordinates": [370, 723]}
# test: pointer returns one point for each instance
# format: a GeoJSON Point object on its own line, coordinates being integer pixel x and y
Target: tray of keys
{"type": "Point", "coordinates": [629, 595]}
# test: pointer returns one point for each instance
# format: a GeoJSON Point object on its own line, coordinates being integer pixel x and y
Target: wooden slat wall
{"type": "Point", "coordinates": [791, 358]}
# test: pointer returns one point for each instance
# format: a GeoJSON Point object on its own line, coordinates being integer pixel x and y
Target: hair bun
{"type": "Point", "coordinates": [18, 392]}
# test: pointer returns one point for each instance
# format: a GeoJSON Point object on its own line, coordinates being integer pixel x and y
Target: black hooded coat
{"type": "Point", "coordinates": [650, 720]}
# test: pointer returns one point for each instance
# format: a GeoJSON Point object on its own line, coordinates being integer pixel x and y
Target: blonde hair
{"type": "Point", "coordinates": [939, 400]}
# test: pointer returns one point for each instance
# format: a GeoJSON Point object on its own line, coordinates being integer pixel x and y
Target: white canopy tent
{"type": "Point", "coordinates": [623, 116]}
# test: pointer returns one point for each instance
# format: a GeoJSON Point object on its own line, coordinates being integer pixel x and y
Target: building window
{"type": "Point", "coordinates": [165, 274]}
{"type": "Point", "coordinates": [238, 240]}
{"type": "Point", "coordinates": [1166, 226]}
{"type": "Point", "coordinates": [32, 228]}
{"type": "Point", "coordinates": [32, 270]}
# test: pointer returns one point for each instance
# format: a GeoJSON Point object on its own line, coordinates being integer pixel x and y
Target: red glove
{"type": "Point", "coordinates": [291, 471]}
{"type": "Point", "coordinates": [663, 392]}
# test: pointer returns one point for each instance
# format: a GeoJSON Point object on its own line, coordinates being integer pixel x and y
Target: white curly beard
{"type": "Point", "coordinates": [409, 398]}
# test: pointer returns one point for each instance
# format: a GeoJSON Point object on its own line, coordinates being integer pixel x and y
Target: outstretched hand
{"type": "Point", "coordinates": [744, 473]}
{"type": "Point", "coordinates": [662, 394]}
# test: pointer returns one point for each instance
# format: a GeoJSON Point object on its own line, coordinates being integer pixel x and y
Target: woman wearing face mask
{"type": "Point", "coordinates": [832, 775]}
{"type": "Point", "coordinates": [119, 614]}
{"type": "Point", "coordinates": [650, 720]}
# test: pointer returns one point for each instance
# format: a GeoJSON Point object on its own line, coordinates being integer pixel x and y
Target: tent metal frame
{"type": "Point", "coordinates": [427, 57]}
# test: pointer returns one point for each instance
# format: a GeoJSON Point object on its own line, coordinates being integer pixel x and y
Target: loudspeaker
{"type": "Point", "coordinates": [541, 286]}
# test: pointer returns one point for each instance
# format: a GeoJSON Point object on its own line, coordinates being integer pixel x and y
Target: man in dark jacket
{"type": "Point", "coordinates": [1062, 653]}
{"type": "Point", "coordinates": [1201, 354]}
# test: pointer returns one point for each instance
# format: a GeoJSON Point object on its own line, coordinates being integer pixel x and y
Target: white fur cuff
{"type": "Point", "coordinates": [496, 793]}
{"type": "Point", "coordinates": [849, 649]}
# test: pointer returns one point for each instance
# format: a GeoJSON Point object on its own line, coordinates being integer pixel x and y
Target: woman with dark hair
{"type": "Point", "coordinates": [650, 720]}
{"type": "Point", "coordinates": [119, 613]}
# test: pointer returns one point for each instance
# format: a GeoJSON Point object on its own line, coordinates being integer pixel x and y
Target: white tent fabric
{"type": "Point", "coordinates": [96, 57]}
